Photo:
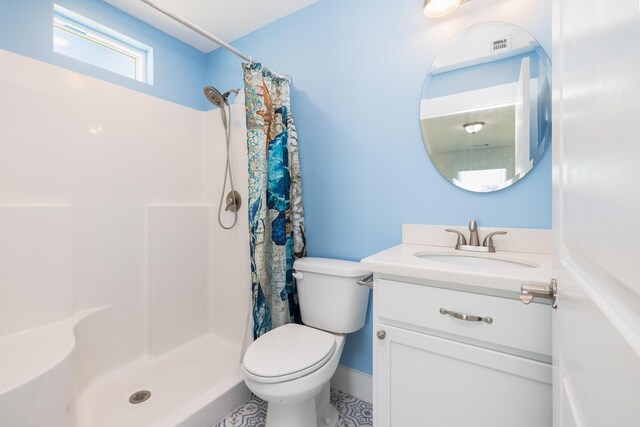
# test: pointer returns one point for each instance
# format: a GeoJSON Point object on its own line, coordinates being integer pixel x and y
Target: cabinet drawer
{"type": "Point", "coordinates": [515, 325]}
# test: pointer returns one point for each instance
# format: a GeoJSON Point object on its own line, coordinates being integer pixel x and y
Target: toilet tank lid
{"type": "Point", "coordinates": [332, 267]}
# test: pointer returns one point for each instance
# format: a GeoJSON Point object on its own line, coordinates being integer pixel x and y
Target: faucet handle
{"type": "Point", "coordinates": [488, 241]}
{"type": "Point", "coordinates": [461, 239]}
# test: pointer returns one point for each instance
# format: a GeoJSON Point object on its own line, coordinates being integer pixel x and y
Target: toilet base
{"type": "Point", "coordinates": [328, 415]}
{"type": "Point", "coordinates": [298, 414]}
{"type": "Point", "coordinates": [329, 418]}
{"type": "Point", "coordinates": [314, 412]}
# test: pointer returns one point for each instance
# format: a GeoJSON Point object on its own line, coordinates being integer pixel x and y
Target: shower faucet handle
{"type": "Point", "coordinates": [233, 201]}
{"type": "Point", "coordinates": [230, 202]}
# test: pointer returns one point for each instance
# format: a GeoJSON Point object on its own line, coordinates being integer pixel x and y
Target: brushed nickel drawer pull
{"type": "Point", "coordinates": [467, 317]}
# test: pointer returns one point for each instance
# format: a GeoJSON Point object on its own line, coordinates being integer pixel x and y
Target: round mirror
{"type": "Point", "coordinates": [485, 110]}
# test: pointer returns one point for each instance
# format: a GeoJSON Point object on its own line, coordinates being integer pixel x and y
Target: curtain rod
{"type": "Point", "coordinates": [198, 30]}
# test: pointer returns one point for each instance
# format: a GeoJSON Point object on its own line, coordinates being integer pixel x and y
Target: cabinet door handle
{"type": "Point", "coordinates": [467, 317]}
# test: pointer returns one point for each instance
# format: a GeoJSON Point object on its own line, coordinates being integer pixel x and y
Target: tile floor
{"type": "Point", "coordinates": [353, 412]}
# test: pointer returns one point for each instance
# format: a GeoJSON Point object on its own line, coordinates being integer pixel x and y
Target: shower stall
{"type": "Point", "coordinates": [123, 302]}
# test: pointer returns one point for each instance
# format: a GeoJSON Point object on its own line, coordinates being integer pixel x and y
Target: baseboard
{"type": "Point", "coordinates": [353, 382]}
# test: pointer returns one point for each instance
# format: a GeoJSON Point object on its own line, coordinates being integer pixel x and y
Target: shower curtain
{"type": "Point", "coordinates": [276, 216]}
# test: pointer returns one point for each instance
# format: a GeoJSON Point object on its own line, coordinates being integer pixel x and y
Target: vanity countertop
{"type": "Point", "coordinates": [401, 262]}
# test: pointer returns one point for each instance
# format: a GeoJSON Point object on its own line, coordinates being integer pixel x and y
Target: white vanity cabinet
{"type": "Point", "coordinates": [433, 369]}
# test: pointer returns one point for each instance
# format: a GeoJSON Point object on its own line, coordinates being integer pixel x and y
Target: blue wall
{"type": "Point", "coordinates": [358, 67]}
{"type": "Point", "coordinates": [179, 69]}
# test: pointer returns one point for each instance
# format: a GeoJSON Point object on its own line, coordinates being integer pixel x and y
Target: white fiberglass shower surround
{"type": "Point", "coordinates": [116, 277]}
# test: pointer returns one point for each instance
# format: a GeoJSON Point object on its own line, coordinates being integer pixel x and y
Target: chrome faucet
{"type": "Point", "coordinates": [474, 239]}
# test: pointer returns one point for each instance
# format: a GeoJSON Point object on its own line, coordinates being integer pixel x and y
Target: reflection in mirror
{"type": "Point", "coordinates": [485, 111]}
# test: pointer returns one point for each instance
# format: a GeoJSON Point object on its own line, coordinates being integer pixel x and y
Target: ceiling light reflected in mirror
{"type": "Point", "coordinates": [473, 127]}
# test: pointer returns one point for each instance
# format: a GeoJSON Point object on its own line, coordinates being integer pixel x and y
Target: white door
{"type": "Point", "coordinates": [596, 63]}
{"type": "Point", "coordinates": [523, 119]}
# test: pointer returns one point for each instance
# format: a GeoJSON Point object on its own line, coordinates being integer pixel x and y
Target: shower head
{"type": "Point", "coordinates": [218, 99]}
{"type": "Point", "coordinates": [214, 96]}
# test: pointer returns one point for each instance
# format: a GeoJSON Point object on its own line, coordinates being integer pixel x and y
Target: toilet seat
{"type": "Point", "coordinates": [288, 352]}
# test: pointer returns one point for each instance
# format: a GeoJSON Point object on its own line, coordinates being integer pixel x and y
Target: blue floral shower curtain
{"type": "Point", "coordinates": [276, 215]}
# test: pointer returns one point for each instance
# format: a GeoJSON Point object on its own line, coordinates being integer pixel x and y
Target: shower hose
{"type": "Point", "coordinates": [226, 121]}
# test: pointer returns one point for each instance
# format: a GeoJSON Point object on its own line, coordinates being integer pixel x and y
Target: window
{"type": "Point", "coordinates": [486, 179]}
{"type": "Point", "coordinates": [88, 41]}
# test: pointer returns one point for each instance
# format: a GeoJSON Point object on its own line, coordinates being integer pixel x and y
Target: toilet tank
{"type": "Point", "coordinates": [329, 295]}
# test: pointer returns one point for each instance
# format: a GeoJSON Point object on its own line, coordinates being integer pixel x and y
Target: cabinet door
{"type": "Point", "coordinates": [425, 381]}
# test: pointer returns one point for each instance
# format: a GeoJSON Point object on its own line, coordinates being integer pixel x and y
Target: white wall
{"type": "Point", "coordinates": [34, 296]}
{"type": "Point", "coordinates": [178, 260]}
{"type": "Point", "coordinates": [108, 153]}
{"type": "Point", "coordinates": [229, 248]}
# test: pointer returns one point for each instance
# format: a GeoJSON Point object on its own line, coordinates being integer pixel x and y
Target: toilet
{"type": "Point", "coordinates": [290, 367]}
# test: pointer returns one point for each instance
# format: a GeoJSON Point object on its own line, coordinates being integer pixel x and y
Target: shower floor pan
{"type": "Point", "coordinates": [194, 385]}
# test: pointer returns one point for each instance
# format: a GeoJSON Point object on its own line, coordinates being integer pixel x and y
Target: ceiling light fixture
{"type": "Point", "coordinates": [438, 8]}
{"type": "Point", "coordinates": [473, 127]}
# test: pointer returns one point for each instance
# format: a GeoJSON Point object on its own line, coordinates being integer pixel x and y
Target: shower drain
{"type": "Point", "coordinates": [139, 396]}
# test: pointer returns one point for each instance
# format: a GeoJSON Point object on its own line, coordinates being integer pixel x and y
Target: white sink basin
{"type": "Point", "coordinates": [475, 260]}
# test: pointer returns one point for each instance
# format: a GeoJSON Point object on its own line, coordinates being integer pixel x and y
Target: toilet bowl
{"type": "Point", "coordinates": [290, 367]}
{"type": "Point", "coordinates": [299, 396]}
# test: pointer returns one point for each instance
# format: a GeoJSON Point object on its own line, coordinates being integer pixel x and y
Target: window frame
{"type": "Point", "coordinates": [82, 27]}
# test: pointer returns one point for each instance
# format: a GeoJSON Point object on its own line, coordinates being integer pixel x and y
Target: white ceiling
{"type": "Point", "coordinates": [446, 133]}
{"type": "Point", "coordinates": [473, 46]}
{"type": "Point", "coordinates": [227, 19]}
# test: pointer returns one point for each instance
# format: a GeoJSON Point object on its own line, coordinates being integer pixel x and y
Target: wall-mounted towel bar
{"type": "Point", "coordinates": [367, 281]}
